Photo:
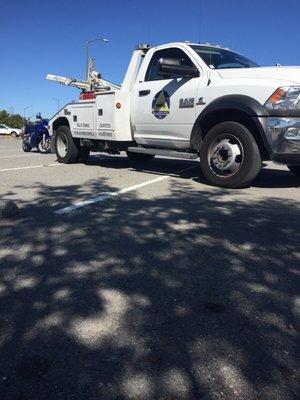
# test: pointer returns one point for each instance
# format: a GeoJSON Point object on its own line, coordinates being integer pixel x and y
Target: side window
{"type": "Point", "coordinates": [2, 126]}
{"type": "Point", "coordinates": [154, 74]}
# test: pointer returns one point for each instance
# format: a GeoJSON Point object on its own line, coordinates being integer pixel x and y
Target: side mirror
{"type": "Point", "coordinates": [38, 116]}
{"type": "Point", "coordinates": [173, 66]}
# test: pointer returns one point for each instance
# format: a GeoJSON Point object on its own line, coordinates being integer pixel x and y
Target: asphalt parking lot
{"type": "Point", "coordinates": [123, 281]}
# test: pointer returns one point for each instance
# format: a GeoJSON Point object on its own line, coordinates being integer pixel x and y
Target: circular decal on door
{"type": "Point", "coordinates": [161, 104]}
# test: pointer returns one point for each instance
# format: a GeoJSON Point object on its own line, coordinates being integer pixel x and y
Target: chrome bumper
{"type": "Point", "coordinates": [283, 136]}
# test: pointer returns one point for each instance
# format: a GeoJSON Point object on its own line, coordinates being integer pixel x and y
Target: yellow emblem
{"type": "Point", "coordinates": [161, 104]}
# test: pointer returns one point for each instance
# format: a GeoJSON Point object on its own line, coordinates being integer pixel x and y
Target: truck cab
{"type": "Point", "coordinates": [190, 100]}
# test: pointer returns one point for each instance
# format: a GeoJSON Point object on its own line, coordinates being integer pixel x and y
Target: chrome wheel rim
{"type": "Point", "coordinates": [225, 156]}
{"type": "Point", "coordinates": [44, 147]}
{"type": "Point", "coordinates": [61, 145]}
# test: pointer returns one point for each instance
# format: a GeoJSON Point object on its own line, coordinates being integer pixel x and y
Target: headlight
{"type": "Point", "coordinates": [284, 98]}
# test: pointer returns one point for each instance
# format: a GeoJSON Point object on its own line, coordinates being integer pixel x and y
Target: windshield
{"type": "Point", "coordinates": [217, 58]}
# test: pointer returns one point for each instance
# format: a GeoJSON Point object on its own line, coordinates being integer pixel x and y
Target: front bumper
{"type": "Point", "coordinates": [283, 136]}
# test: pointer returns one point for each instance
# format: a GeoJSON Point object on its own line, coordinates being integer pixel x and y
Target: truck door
{"type": "Point", "coordinates": [163, 104]}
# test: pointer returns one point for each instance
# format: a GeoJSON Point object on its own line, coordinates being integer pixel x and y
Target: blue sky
{"type": "Point", "coordinates": [39, 37]}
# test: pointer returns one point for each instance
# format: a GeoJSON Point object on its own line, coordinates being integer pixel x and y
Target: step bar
{"type": "Point", "coordinates": [162, 152]}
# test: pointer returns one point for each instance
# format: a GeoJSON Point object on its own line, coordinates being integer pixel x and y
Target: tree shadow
{"type": "Point", "coordinates": [186, 296]}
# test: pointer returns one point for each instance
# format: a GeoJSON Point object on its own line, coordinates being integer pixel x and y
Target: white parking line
{"type": "Point", "coordinates": [108, 195]}
{"type": "Point", "coordinates": [30, 167]}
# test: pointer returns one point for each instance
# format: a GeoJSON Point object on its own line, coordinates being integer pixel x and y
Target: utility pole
{"type": "Point", "coordinates": [24, 111]}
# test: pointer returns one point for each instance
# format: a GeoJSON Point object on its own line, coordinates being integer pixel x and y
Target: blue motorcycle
{"type": "Point", "coordinates": [36, 135]}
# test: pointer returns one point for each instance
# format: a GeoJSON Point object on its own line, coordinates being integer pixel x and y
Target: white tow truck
{"type": "Point", "coordinates": [187, 100]}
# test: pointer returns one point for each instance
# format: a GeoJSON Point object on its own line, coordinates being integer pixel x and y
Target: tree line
{"type": "Point", "coordinates": [12, 120]}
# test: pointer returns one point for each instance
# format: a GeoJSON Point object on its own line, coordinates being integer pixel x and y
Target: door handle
{"type": "Point", "coordinates": [144, 92]}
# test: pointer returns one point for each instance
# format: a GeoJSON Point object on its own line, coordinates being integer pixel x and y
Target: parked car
{"type": "Point", "coordinates": [6, 130]}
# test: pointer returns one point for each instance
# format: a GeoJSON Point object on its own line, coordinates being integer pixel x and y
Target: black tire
{"type": "Point", "coordinates": [26, 147]}
{"type": "Point", "coordinates": [13, 134]}
{"type": "Point", "coordinates": [84, 153]}
{"type": "Point", "coordinates": [65, 148]}
{"type": "Point", "coordinates": [139, 157]}
{"type": "Point", "coordinates": [295, 170]}
{"type": "Point", "coordinates": [240, 161]}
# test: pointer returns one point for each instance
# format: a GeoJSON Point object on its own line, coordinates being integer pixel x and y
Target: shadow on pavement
{"type": "Point", "coordinates": [186, 296]}
{"type": "Point", "coordinates": [158, 166]}
{"type": "Point", "coordinates": [268, 177]}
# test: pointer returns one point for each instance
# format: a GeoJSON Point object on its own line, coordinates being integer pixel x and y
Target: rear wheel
{"type": "Point", "coordinates": [230, 156]}
{"type": "Point", "coordinates": [295, 170]}
{"type": "Point", "coordinates": [139, 157]}
{"type": "Point", "coordinates": [26, 147]}
{"type": "Point", "coordinates": [84, 153]}
{"type": "Point", "coordinates": [65, 147]}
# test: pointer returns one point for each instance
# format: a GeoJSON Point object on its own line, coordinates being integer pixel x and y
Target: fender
{"type": "Point", "coordinates": [224, 108]}
{"type": "Point", "coordinates": [61, 120]}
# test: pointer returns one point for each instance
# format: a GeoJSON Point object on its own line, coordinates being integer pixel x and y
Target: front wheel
{"type": "Point", "coordinates": [44, 147]}
{"type": "Point", "coordinates": [230, 156]}
{"type": "Point", "coordinates": [295, 170]}
{"type": "Point", "coordinates": [13, 134]}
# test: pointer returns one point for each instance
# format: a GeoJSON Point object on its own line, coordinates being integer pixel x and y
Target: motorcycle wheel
{"type": "Point", "coordinates": [26, 147]}
{"type": "Point", "coordinates": [44, 148]}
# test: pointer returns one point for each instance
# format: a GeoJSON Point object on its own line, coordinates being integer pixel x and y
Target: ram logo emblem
{"type": "Point", "coordinates": [187, 102]}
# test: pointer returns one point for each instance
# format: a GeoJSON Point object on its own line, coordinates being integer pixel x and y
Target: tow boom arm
{"type": "Point", "coordinates": [94, 82]}
{"type": "Point", "coordinates": [100, 84]}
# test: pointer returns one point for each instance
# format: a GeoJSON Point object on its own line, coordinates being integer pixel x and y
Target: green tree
{"type": "Point", "coordinates": [4, 116]}
{"type": "Point", "coordinates": [12, 120]}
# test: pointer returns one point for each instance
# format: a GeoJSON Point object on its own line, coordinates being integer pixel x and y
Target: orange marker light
{"type": "Point", "coordinates": [277, 96]}
{"type": "Point", "coordinates": [118, 105]}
